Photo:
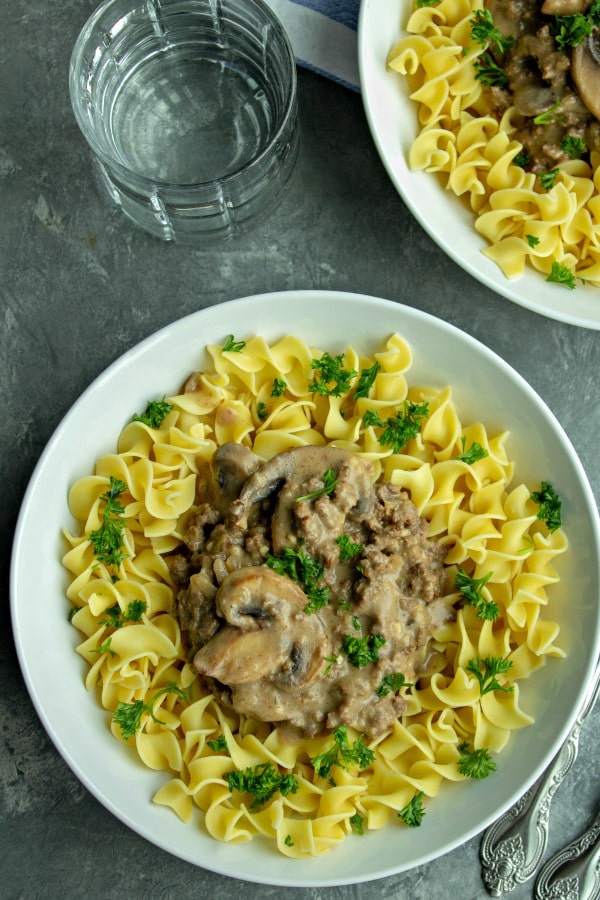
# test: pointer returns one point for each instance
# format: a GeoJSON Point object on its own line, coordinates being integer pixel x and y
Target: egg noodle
{"type": "Point", "coordinates": [473, 153]}
{"type": "Point", "coordinates": [488, 526]}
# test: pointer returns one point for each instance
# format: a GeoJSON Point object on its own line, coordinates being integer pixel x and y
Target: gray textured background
{"type": "Point", "coordinates": [79, 285]}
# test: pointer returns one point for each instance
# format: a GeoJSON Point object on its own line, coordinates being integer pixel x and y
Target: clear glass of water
{"type": "Point", "coordinates": [190, 110]}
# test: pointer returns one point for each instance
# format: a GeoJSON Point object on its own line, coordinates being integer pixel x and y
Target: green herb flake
{"type": "Point", "coordinates": [107, 539]}
{"type": "Point", "coordinates": [484, 32]}
{"type": "Point", "coordinates": [471, 594]}
{"type": "Point", "coordinates": [128, 716]}
{"type": "Point", "coordinates": [306, 571]}
{"type": "Point", "coordinates": [547, 179]}
{"type": "Point", "coordinates": [218, 745]}
{"type": "Point", "coordinates": [333, 379]}
{"type": "Point", "coordinates": [532, 240]}
{"type": "Point", "coordinates": [155, 413]}
{"type": "Point", "coordinates": [393, 683]}
{"type": "Point", "coordinates": [413, 812]}
{"type": "Point", "coordinates": [488, 72]}
{"type": "Point", "coordinates": [550, 116]}
{"type": "Point", "coordinates": [261, 410]}
{"type": "Point", "coordinates": [398, 430]}
{"type": "Point", "coordinates": [574, 147]}
{"type": "Point", "coordinates": [362, 651]}
{"type": "Point", "coordinates": [348, 548]}
{"type": "Point", "coordinates": [570, 31]}
{"type": "Point", "coordinates": [329, 483]}
{"type": "Point", "coordinates": [550, 505]}
{"type": "Point", "coordinates": [105, 648]}
{"type": "Point", "coordinates": [475, 764]}
{"type": "Point", "coordinates": [356, 821]}
{"type": "Point", "coordinates": [118, 617]}
{"type": "Point", "coordinates": [342, 754]}
{"type": "Point", "coordinates": [560, 274]}
{"type": "Point", "coordinates": [288, 841]}
{"type": "Point", "coordinates": [473, 454]}
{"type": "Point", "coordinates": [366, 380]}
{"type": "Point", "coordinates": [279, 387]}
{"type": "Point", "coordinates": [261, 782]}
{"type": "Point", "coordinates": [522, 159]}
{"type": "Point", "coordinates": [233, 346]}
{"type": "Point", "coordinates": [485, 671]}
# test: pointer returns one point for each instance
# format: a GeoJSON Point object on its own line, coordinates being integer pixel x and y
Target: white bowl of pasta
{"type": "Point", "coordinates": [444, 180]}
{"type": "Point", "coordinates": [124, 645]}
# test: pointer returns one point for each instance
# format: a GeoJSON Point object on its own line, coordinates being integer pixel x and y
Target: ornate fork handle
{"type": "Point", "coordinates": [574, 872]}
{"type": "Point", "coordinates": [512, 848]}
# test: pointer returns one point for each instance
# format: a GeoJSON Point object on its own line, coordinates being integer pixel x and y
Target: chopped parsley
{"type": "Point", "coordinates": [233, 346]}
{"type": "Point", "coordinates": [107, 539]}
{"type": "Point", "coordinates": [343, 754]}
{"type": "Point", "coordinates": [561, 274]}
{"type": "Point", "coordinates": [366, 380]}
{"type": "Point", "coordinates": [348, 549]}
{"type": "Point", "coordinates": [550, 505]}
{"type": "Point", "coordinates": [473, 454]}
{"type": "Point", "coordinates": [475, 764]}
{"type": "Point", "coordinates": [334, 380]}
{"type": "Point", "coordinates": [485, 671]}
{"type": "Point", "coordinates": [522, 159]}
{"type": "Point", "coordinates": [532, 240]}
{"type": "Point", "coordinates": [288, 841]}
{"type": "Point", "coordinates": [393, 683]}
{"type": "Point", "coordinates": [398, 430]}
{"type": "Point", "coordinates": [356, 822]}
{"type": "Point", "coordinates": [218, 745]}
{"type": "Point", "coordinates": [261, 410]}
{"type": "Point", "coordinates": [421, 3]}
{"type": "Point", "coordinates": [573, 146]}
{"type": "Point", "coordinates": [128, 716]}
{"type": "Point", "coordinates": [105, 648]}
{"type": "Point", "coordinates": [489, 72]}
{"type": "Point", "coordinates": [547, 179]}
{"type": "Point", "coordinates": [329, 483]}
{"type": "Point", "coordinates": [471, 594]}
{"type": "Point", "coordinates": [117, 616]}
{"type": "Point", "coordinates": [362, 651]}
{"type": "Point", "coordinates": [304, 569]}
{"type": "Point", "coordinates": [413, 812]}
{"type": "Point", "coordinates": [570, 31]}
{"type": "Point", "coordinates": [261, 782]}
{"type": "Point", "coordinates": [484, 32]}
{"type": "Point", "coordinates": [155, 413]}
{"type": "Point", "coordinates": [278, 388]}
{"type": "Point", "coordinates": [550, 116]}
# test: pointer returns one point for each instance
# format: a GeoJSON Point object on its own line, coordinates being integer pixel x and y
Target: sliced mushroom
{"type": "Point", "coordinates": [564, 7]}
{"type": "Point", "coordinates": [585, 70]}
{"type": "Point", "coordinates": [268, 638]}
{"type": "Point", "coordinates": [231, 465]}
{"type": "Point", "coordinates": [531, 100]}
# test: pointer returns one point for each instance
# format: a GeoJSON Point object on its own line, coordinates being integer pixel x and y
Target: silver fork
{"type": "Point", "coordinates": [513, 847]}
{"type": "Point", "coordinates": [574, 872]}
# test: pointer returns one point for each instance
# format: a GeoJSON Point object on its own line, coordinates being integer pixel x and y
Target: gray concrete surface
{"type": "Point", "coordinates": [79, 285]}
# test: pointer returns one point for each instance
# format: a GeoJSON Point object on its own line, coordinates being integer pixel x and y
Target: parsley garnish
{"type": "Point", "coordinates": [288, 841]}
{"type": "Point", "coordinates": [550, 116]}
{"type": "Point", "coordinates": [105, 648]}
{"type": "Point", "coordinates": [329, 483]}
{"type": "Point", "coordinates": [348, 548]}
{"type": "Point", "coordinates": [489, 72]}
{"type": "Point", "coordinates": [128, 716]}
{"type": "Point", "coordinates": [357, 823]}
{"type": "Point", "coordinates": [278, 388]}
{"type": "Point", "coordinates": [362, 651]}
{"type": "Point", "coordinates": [233, 346]}
{"type": "Point", "coordinates": [331, 660]}
{"type": "Point", "coordinates": [475, 763]}
{"type": "Point", "coordinates": [484, 32]}
{"type": "Point", "coordinates": [471, 593]}
{"type": "Point", "coordinates": [261, 782]}
{"type": "Point", "coordinates": [342, 754]}
{"type": "Point", "coordinates": [574, 147]}
{"type": "Point", "coordinates": [485, 671]}
{"type": "Point", "coordinates": [155, 413]}
{"type": "Point", "coordinates": [522, 159]}
{"type": "Point", "coordinates": [570, 31]}
{"type": "Point", "coordinates": [473, 454]}
{"type": "Point", "coordinates": [532, 240]}
{"type": "Point", "coordinates": [421, 3]}
{"type": "Point", "coordinates": [399, 429]}
{"type": "Point", "coordinates": [219, 745]}
{"type": "Point", "coordinates": [334, 380]}
{"type": "Point", "coordinates": [304, 569]}
{"type": "Point", "coordinates": [562, 275]}
{"type": "Point", "coordinates": [107, 539]}
{"type": "Point", "coordinates": [392, 682]}
{"type": "Point", "coordinates": [117, 617]}
{"type": "Point", "coordinates": [550, 504]}
{"type": "Point", "coordinates": [261, 410]}
{"type": "Point", "coordinates": [366, 380]}
{"type": "Point", "coordinates": [547, 179]}
{"type": "Point", "coordinates": [413, 812]}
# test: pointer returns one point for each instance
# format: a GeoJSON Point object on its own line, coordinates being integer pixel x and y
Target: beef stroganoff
{"type": "Point", "coordinates": [307, 592]}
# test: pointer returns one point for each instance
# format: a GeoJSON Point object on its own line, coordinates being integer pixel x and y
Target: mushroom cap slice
{"type": "Point", "coordinates": [586, 73]}
{"type": "Point", "coordinates": [564, 7]}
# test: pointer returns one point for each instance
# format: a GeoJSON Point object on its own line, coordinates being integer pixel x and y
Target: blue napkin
{"type": "Point", "coordinates": [323, 36]}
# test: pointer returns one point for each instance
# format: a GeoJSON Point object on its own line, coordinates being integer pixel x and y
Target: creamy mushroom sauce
{"type": "Point", "coordinates": [249, 633]}
{"type": "Point", "coordinates": [542, 79]}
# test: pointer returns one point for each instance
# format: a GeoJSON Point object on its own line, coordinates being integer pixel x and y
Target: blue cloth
{"type": "Point", "coordinates": [323, 36]}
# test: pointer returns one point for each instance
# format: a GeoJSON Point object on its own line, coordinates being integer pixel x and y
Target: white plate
{"type": "Point", "coordinates": [392, 119]}
{"type": "Point", "coordinates": [45, 641]}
